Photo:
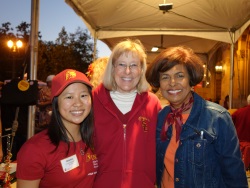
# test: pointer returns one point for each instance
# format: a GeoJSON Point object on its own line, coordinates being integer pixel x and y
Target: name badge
{"type": "Point", "coordinates": [69, 163]}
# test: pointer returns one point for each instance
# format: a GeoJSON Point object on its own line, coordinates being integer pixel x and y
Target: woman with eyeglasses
{"type": "Point", "coordinates": [196, 141]}
{"type": "Point", "coordinates": [125, 121]}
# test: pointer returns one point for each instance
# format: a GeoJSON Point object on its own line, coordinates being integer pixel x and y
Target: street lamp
{"type": "Point", "coordinates": [14, 47]}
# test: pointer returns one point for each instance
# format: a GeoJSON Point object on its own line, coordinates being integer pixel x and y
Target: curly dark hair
{"type": "Point", "coordinates": [172, 56]}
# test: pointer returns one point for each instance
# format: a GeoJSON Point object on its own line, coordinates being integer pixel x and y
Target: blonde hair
{"type": "Point", "coordinates": [96, 70]}
{"type": "Point", "coordinates": [126, 47]}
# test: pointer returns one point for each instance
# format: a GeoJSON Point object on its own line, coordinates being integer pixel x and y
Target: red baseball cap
{"type": "Point", "coordinates": [64, 78]}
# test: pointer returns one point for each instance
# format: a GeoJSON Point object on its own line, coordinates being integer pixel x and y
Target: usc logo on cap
{"type": "Point", "coordinates": [70, 74]}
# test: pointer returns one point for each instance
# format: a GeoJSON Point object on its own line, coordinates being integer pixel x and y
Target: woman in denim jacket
{"type": "Point", "coordinates": [196, 141]}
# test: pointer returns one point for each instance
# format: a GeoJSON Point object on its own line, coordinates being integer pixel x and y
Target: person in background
{"type": "Point", "coordinates": [14, 112]}
{"type": "Point", "coordinates": [196, 142]}
{"type": "Point", "coordinates": [241, 119]}
{"type": "Point", "coordinates": [62, 155]}
{"type": "Point", "coordinates": [95, 71]}
{"type": "Point", "coordinates": [226, 102]}
{"type": "Point", "coordinates": [125, 121]}
{"type": "Point", "coordinates": [44, 106]}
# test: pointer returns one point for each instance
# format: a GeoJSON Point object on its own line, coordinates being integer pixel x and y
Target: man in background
{"type": "Point", "coordinates": [44, 107]}
{"type": "Point", "coordinates": [241, 119]}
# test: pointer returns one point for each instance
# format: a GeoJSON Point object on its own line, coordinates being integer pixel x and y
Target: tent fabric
{"type": "Point", "coordinates": [203, 47]}
{"type": "Point", "coordinates": [218, 20]}
{"type": "Point", "coordinates": [203, 25]}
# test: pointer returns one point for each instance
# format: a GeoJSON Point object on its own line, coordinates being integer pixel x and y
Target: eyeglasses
{"type": "Point", "coordinates": [122, 67]}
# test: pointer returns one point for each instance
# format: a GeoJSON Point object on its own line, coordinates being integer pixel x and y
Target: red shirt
{"type": "Point", "coordinates": [35, 161]}
{"type": "Point", "coordinates": [125, 144]}
{"type": "Point", "coordinates": [241, 119]}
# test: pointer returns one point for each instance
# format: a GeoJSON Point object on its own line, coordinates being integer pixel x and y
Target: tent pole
{"type": "Point", "coordinates": [33, 60]}
{"type": "Point", "coordinates": [231, 73]}
{"type": "Point", "coordinates": [95, 43]}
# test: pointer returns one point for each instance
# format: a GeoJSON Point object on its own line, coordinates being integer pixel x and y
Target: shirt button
{"type": "Point", "coordinates": [177, 179]}
{"type": "Point", "coordinates": [198, 145]}
{"type": "Point", "coordinates": [176, 160]}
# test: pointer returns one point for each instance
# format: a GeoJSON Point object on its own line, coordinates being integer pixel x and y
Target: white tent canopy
{"type": "Point", "coordinates": [217, 20]}
{"type": "Point", "coordinates": [200, 24]}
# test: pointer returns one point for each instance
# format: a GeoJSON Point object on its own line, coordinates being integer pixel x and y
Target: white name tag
{"type": "Point", "coordinates": [69, 163]}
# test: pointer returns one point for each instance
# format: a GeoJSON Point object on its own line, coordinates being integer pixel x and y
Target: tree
{"type": "Point", "coordinates": [69, 50]}
{"type": "Point", "coordinates": [5, 29]}
{"type": "Point", "coordinates": [73, 50]}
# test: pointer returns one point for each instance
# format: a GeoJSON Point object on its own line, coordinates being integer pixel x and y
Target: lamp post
{"type": "Point", "coordinates": [14, 47]}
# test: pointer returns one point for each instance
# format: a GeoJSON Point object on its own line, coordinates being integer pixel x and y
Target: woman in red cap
{"type": "Point", "coordinates": [62, 155]}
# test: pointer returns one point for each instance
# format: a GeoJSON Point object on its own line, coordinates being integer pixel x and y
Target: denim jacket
{"type": "Point", "coordinates": [211, 160]}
